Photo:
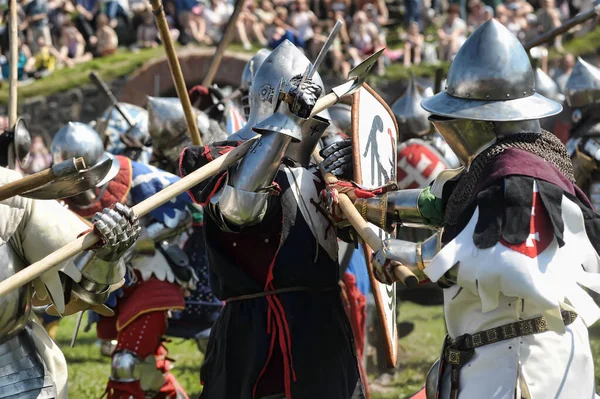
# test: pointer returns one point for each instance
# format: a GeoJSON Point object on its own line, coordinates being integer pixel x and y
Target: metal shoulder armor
{"type": "Point", "coordinates": [392, 208]}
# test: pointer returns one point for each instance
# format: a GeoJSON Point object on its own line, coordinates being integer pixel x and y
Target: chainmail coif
{"type": "Point", "coordinates": [545, 145]}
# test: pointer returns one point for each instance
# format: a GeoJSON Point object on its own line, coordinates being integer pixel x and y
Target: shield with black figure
{"type": "Point", "coordinates": [374, 138]}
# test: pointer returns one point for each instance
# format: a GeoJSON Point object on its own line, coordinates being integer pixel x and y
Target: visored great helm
{"type": "Point", "coordinates": [583, 86]}
{"type": "Point", "coordinates": [248, 75]}
{"type": "Point", "coordinates": [490, 93]}
{"type": "Point", "coordinates": [77, 139]}
{"type": "Point", "coordinates": [411, 117]}
{"type": "Point", "coordinates": [285, 62]}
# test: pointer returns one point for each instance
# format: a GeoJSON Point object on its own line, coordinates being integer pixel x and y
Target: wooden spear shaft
{"type": "Point", "coordinates": [227, 37]}
{"type": "Point", "coordinates": [13, 63]}
{"type": "Point", "coordinates": [90, 239]}
{"type": "Point", "coordinates": [182, 93]}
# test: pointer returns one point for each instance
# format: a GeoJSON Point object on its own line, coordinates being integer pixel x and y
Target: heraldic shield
{"type": "Point", "coordinates": [374, 138]}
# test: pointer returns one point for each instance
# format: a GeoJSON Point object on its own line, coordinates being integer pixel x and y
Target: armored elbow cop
{"type": "Point", "coordinates": [98, 278]}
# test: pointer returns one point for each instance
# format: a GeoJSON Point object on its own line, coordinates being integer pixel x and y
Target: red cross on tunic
{"type": "Point", "coordinates": [541, 231]}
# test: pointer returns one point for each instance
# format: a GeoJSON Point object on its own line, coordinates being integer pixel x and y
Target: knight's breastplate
{"type": "Point", "coordinates": [16, 305]}
{"type": "Point", "coordinates": [23, 373]}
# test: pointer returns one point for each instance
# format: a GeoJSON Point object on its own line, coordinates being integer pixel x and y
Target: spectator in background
{"type": "Point", "coordinates": [452, 34]}
{"type": "Point", "coordinates": [568, 62]}
{"type": "Point", "coordinates": [114, 9]}
{"type": "Point", "coordinates": [147, 32]}
{"type": "Point", "coordinates": [193, 25]}
{"type": "Point", "coordinates": [548, 18]}
{"type": "Point", "coordinates": [477, 14]}
{"type": "Point", "coordinates": [108, 42]}
{"type": "Point", "coordinates": [87, 10]}
{"type": "Point", "coordinates": [36, 12]}
{"type": "Point", "coordinates": [45, 60]}
{"type": "Point", "coordinates": [23, 62]}
{"type": "Point", "coordinates": [58, 12]}
{"type": "Point", "coordinates": [377, 11]}
{"type": "Point", "coordinates": [266, 15]}
{"type": "Point", "coordinates": [364, 39]}
{"type": "Point", "coordinates": [251, 22]}
{"type": "Point", "coordinates": [506, 9]}
{"type": "Point", "coordinates": [171, 21]}
{"type": "Point", "coordinates": [283, 31]}
{"type": "Point", "coordinates": [72, 46]}
{"type": "Point", "coordinates": [413, 12]}
{"type": "Point", "coordinates": [216, 17]}
{"type": "Point", "coordinates": [515, 21]}
{"type": "Point", "coordinates": [413, 47]}
{"type": "Point", "coordinates": [302, 20]}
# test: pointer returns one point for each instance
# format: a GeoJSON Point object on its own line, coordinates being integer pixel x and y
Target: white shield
{"type": "Point", "coordinates": [374, 138]}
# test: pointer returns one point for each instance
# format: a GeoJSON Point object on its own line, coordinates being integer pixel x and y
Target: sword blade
{"type": "Point", "coordinates": [334, 32]}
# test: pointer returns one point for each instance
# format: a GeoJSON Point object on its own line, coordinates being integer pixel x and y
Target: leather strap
{"type": "Point", "coordinates": [460, 350]}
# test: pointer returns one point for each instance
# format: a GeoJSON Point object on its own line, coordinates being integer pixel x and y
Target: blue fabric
{"type": "Point", "coordinates": [289, 35]}
{"type": "Point", "coordinates": [114, 9]}
{"type": "Point", "coordinates": [20, 67]}
{"type": "Point", "coordinates": [185, 5]}
{"type": "Point", "coordinates": [87, 4]}
{"type": "Point", "coordinates": [147, 181]}
{"type": "Point", "coordinates": [413, 12]}
{"type": "Point", "coordinates": [358, 267]}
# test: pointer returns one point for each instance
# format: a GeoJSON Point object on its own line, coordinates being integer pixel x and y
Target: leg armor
{"type": "Point", "coordinates": [139, 366]}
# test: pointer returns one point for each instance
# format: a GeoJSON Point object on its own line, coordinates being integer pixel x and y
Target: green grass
{"type": "Point", "coordinates": [88, 369]}
{"type": "Point", "coordinates": [586, 44]}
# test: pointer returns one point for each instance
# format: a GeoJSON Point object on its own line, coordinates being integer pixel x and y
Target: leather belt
{"type": "Point", "coordinates": [460, 350]}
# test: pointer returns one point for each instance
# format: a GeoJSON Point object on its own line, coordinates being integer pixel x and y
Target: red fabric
{"type": "Point", "coordinates": [200, 97]}
{"type": "Point", "coordinates": [143, 337]}
{"type": "Point", "coordinates": [356, 308]}
{"type": "Point", "coordinates": [117, 191]}
{"type": "Point", "coordinates": [355, 304]}
{"type": "Point", "coordinates": [418, 165]}
{"type": "Point", "coordinates": [541, 231]}
{"type": "Point", "coordinates": [148, 296]}
{"type": "Point", "coordinates": [420, 395]}
{"type": "Point", "coordinates": [561, 130]}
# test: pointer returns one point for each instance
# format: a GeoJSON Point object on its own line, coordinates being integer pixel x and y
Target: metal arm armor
{"type": "Point", "coordinates": [243, 199]}
{"type": "Point", "coordinates": [392, 208]}
{"type": "Point", "coordinates": [415, 254]}
{"type": "Point", "coordinates": [98, 279]}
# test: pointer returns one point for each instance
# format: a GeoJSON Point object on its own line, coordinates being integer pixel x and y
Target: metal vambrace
{"type": "Point", "coordinates": [391, 208]}
{"type": "Point", "coordinates": [243, 199]}
{"type": "Point", "coordinates": [98, 277]}
{"type": "Point", "coordinates": [128, 367]}
{"type": "Point", "coordinates": [417, 255]}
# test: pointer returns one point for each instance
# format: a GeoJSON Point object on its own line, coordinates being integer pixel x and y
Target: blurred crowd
{"type": "Point", "coordinates": [63, 33]}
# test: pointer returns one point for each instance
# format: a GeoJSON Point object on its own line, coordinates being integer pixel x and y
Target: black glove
{"type": "Point", "coordinates": [305, 97]}
{"type": "Point", "coordinates": [337, 159]}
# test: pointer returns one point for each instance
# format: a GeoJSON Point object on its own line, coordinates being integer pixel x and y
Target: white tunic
{"type": "Point", "coordinates": [498, 286]}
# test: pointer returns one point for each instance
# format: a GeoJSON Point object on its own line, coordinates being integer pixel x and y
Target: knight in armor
{"type": "Point", "coordinates": [158, 270]}
{"type": "Point", "coordinates": [547, 87]}
{"type": "Point", "coordinates": [122, 138]}
{"type": "Point", "coordinates": [283, 332]}
{"type": "Point", "coordinates": [583, 96]}
{"type": "Point", "coordinates": [516, 242]}
{"type": "Point", "coordinates": [33, 365]}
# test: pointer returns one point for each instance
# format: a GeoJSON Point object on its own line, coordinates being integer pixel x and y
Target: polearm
{"type": "Point", "coordinates": [568, 24]}
{"type": "Point", "coordinates": [13, 62]}
{"type": "Point", "coordinates": [225, 40]}
{"type": "Point", "coordinates": [90, 239]}
{"type": "Point", "coordinates": [182, 93]}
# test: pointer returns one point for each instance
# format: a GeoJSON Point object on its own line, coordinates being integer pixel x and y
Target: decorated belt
{"type": "Point", "coordinates": [282, 291]}
{"type": "Point", "coordinates": [460, 350]}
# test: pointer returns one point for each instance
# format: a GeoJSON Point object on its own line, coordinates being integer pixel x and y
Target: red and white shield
{"type": "Point", "coordinates": [419, 163]}
{"type": "Point", "coordinates": [374, 138]}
